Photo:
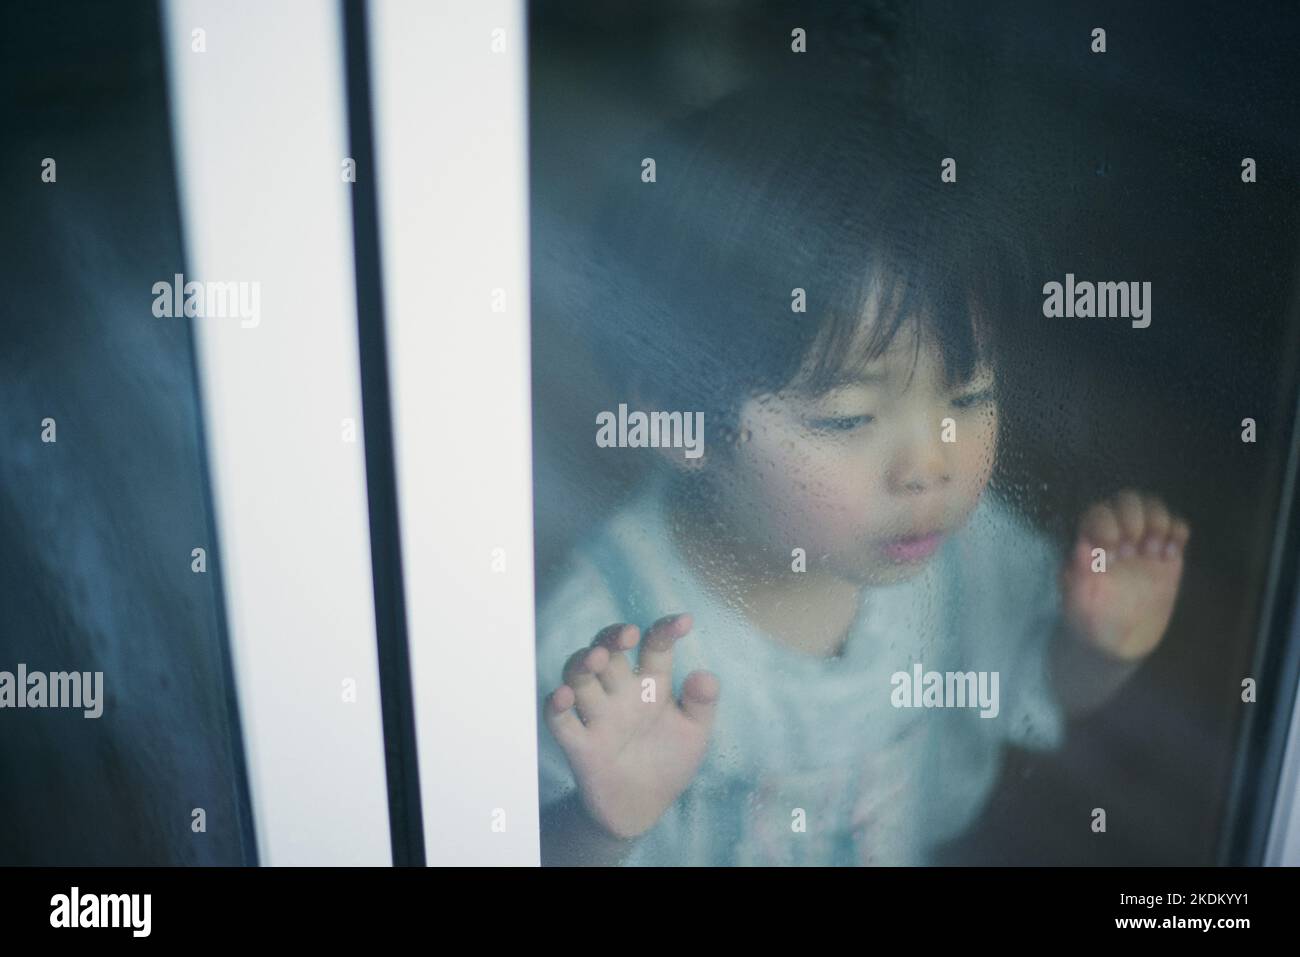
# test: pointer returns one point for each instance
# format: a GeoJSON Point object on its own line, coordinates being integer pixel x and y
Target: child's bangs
{"type": "Point", "coordinates": [903, 292]}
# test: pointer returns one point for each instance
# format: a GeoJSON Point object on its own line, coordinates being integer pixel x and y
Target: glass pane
{"type": "Point", "coordinates": [972, 337]}
{"type": "Point", "coordinates": [105, 497]}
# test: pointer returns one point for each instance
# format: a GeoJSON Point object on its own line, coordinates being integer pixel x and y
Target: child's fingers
{"type": "Point", "coordinates": [1100, 525]}
{"type": "Point", "coordinates": [657, 646]}
{"type": "Point", "coordinates": [562, 719]}
{"type": "Point", "coordinates": [700, 697]}
{"type": "Point", "coordinates": [616, 639]}
{"type": "Point", "coordinates": [1179, 533]}
{"type": "Point", "coordinates": [1132, 514]}
{"type": "Point", "coordinates": [1157, 529]}
{"type": "Point", "coordinates": [1129, 522]}
{"type": "Point", "coordinates": [580, 674]}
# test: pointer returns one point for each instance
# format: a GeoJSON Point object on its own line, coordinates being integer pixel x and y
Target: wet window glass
{"type": "Point", "coordinates": [914, 388]}
{"type": "Point", "coordinates": [119, 743]}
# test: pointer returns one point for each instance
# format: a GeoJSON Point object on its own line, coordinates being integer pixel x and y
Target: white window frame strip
{"type": "Point", "coordinates": [450, 128]}
{"type": "Point", "coordinates": [259, 125]}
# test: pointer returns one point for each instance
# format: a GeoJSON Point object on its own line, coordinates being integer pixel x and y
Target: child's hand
{"type": "Point", "coordinates": [632, 757]}
{"type": "Point", "coordinates": [1124, 610]}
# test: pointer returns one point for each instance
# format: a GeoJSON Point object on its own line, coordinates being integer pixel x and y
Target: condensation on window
{"type": "Point", "coordinates": [936, 368]}
{"type": "Point", "coordinates": [118, 743]}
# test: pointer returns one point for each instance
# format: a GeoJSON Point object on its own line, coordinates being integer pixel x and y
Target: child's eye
{"type": "Point", "coordinates": [974, 399]}
{"type": "Point", "coordinates": [846, 423]}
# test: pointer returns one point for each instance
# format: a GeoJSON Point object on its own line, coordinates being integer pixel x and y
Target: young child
{"type": "Point", "coordinates": [798, 272]}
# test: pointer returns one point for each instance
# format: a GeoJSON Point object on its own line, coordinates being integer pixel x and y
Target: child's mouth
{"type": "Point", "coordinates": [915, 548]}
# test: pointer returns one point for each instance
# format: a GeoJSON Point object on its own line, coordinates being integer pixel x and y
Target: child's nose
{"type": "Point", "coordinates": [922, 464]}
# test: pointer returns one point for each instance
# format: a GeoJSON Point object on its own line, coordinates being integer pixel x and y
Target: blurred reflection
{"type": "Point", "coordinates": [102, 481]}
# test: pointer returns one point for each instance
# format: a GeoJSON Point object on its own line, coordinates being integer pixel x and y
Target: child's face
{"type": "Point", "coordinates": [861, 477]}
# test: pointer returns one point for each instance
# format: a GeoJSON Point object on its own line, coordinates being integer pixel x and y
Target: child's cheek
{"type": "Point", "coordinates": [813, 504]}
{"type": "Point", "coordinates": [977, 457]}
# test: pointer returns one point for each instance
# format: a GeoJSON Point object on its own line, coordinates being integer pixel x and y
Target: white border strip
{"type": "Point", "coordinates": [259, 128]}
{"type": "Point", "coordinates": [451, 126]}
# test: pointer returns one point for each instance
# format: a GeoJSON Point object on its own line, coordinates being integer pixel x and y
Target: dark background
{"type": "Point", "coordinates": [96, 529]}
{"type": "Point", "coordinates": [1128, 166]}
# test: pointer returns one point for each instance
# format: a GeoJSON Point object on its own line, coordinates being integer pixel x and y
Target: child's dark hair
{"type": "Point", "coordinates": [769, 190]}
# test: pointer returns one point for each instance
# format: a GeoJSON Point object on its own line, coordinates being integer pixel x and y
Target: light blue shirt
{"type": "Point", "coordinates": [810, 762]}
